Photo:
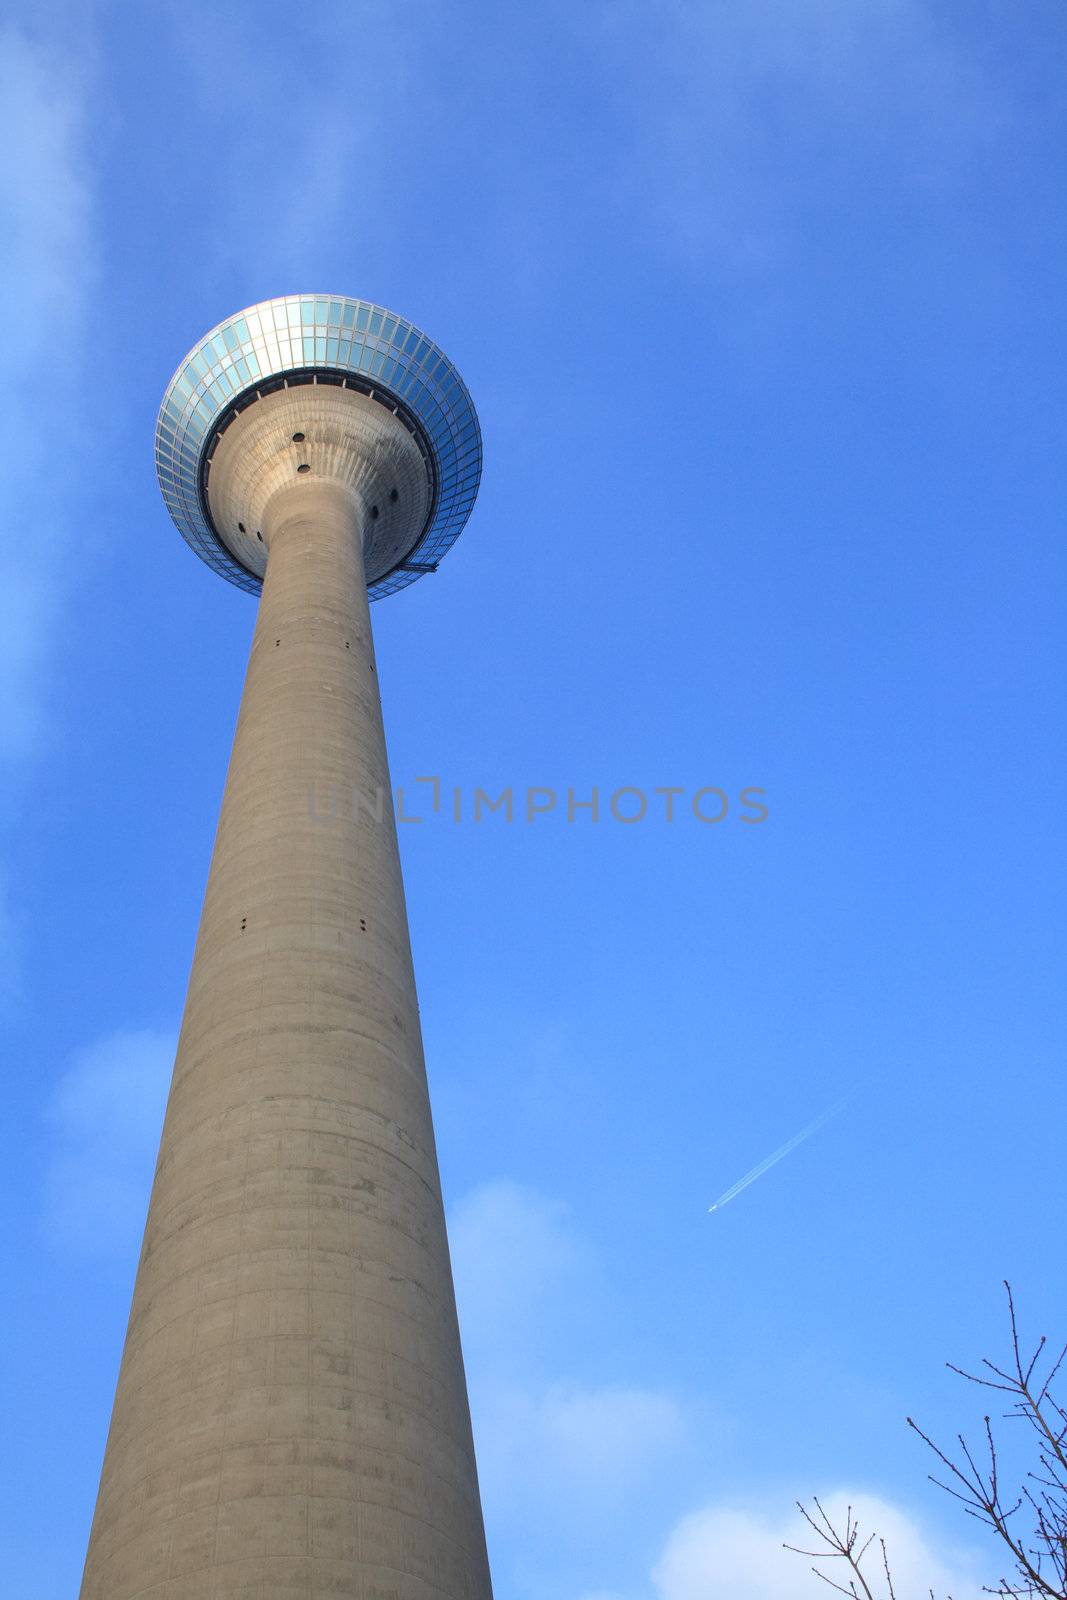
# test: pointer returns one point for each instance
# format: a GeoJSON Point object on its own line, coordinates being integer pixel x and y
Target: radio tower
{"type": "Point", "coordinates": [291, 1419]}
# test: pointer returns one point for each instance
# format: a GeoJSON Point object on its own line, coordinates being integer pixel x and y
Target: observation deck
{"type": "Point", "coordinates": [333, 381]}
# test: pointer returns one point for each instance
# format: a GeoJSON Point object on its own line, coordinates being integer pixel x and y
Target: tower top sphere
{"type": "Point", "coordinates": [330, 385]}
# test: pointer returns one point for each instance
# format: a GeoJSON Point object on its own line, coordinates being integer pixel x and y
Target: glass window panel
{"type": "Point", "coordinates": [361, 317]}
{"type": "Point", "coordinates": [320, 348]}
{"type": "Point", "coordinates": [331, 351]}
{"type": "Point", "coordinates": [401, 333]}
{"type": "Point", "coordinates": [307, 313]}
{"type": "Point", "coordinates": [309, 347]}
{"type": "Point", "coordinates": [390, 325]}
{"type": "Point", "coordinates": [376, 322]}
{"type": "Point", "coordinates": [322, 311]}
{"type": "Point", "coordinates": [230, 337]}
{"type": "Point", "coordinates": [412, 343]}
{"type": "Point", "coordinates": [349, 313]}
{"type": "Point", "coordinates": [241, 329]}
{"type": "Point", "coordinates": [335, 314]}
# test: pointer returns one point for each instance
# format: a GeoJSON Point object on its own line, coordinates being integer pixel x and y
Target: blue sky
{"type": "Point", "coordinates": [761, 306]}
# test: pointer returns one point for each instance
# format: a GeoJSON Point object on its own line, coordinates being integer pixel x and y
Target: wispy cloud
{"type": "Point", "coordinates": [514, 1254]}
{"type": "Point", "coordinates": [9, 971]}
{"type": "Point", "coordinates": [561, 1454]}
{"type": "Point", "coordinates": [571, 1468]}
{"type": "Point", "coordinates": [753, 117]}
{"type": "Point", "coordinates": [45, 269]}
{"type": "Point", "coordinates": [313, 126]}
{"type": "Point", "coordinates": [105, 1119]}
{"type": "Point", "coordinates": [557, 1453]}
{"type": "Point", "coordinates": [45, 277]}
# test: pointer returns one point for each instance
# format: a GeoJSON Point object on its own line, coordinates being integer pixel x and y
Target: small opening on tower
{"type": "Point", "coordinates": [259, 536]}
{"type": "Point", "coordinates": [298, 438]}
{"type": "Point", "coordinates": [394, 495]}
{"type": "Point", "coordinates": [374, 511]}
{"type": "Point", "coordinates": [303, 467]}
{"type": "Point", "coordinates": [240, 527]}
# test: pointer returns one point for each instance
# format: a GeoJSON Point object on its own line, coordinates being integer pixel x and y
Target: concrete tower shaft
{"type": "Point", "coordinates": [291, 1418]}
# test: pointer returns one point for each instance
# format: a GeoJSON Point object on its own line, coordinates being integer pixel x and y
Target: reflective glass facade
{"type": "Point", "coordinates": [291, 334]}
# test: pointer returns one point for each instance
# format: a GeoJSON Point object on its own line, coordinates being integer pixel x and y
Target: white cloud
{"type": "Point", "coordinates": [553, 1451]}
{"type": "Point", "coordinates": [721, 1552]}
{"type": "Point", "coordinates": [571, 1467]}
{"type": "Point", "coordinates": [513, 1253]}
{"type": "Point", "coordinates": [569, 1451]}
{"type": "Point", "coordinates": [105, 1117]}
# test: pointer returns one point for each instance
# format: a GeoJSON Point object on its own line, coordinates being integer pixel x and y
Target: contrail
{"type": "Point", "coordinates": [779, 1155]}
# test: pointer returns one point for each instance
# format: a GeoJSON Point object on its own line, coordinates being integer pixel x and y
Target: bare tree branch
{"type": "Point", "coordinates": [1030, 1520]}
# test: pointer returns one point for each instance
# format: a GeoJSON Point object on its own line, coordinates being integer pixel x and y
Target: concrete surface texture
{"type": "Point", "coordinates": [291, 1418]}
{"type": "Point", "coordinates": [338, 436]}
